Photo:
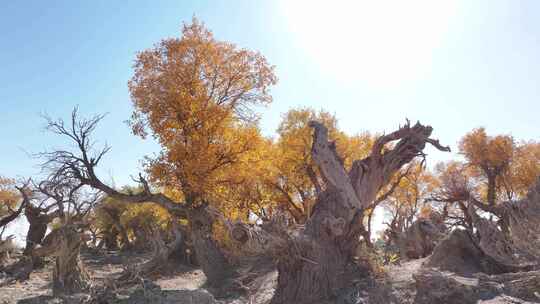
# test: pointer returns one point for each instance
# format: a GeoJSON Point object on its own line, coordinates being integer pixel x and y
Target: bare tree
{"type": "Point", "coordinates": [80, 165]}
{"type": "Point", "coordinates": [74, 203]}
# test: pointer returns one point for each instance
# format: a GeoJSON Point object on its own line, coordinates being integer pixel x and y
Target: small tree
{"type": "Point", "coordinates": [490, 157]}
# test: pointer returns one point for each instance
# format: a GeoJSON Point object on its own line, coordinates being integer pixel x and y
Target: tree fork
{"type": "Point", "coordinates": [316, 261]}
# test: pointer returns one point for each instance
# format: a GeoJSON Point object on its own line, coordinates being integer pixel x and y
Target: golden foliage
{"type": "Point", "coordinates": [454, 182]}
{"type": "Point", "coordinates": [487, 152]}
{"type": "Point", "coordinates": [523, 171]}
{"type": "Point", "coordinates": [295, 177]}
{"type": "Point", "coordinates": [196, 96]}
{"type": "Point", "coordinates": [112, 213]}
{"type": "Point", "coordinates": [504, 168]}
{"type": "Point", "coordinates": [409, 196]}
{"type": "Point", "coordinates": [9, 197]}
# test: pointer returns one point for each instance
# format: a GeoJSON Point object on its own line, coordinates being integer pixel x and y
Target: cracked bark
{"type": "Point", "coordinates": [69, 273]}
{"type": "Point", "coordinates": [318, 260]}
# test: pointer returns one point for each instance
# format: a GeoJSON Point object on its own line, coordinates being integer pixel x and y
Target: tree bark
{"type": "Point", "coordinates": [317, 261]}
{"type": "Point", "coordinates": [38, 227]}
{"type": "Point", "coordinates": [118, 227]}
{"type": "Point", "coordinates": [209, 255]}
{"type": "Point", "coordinates": [491, 190]}
{"type": "Point", "coordinates": [69, 274]}
{"type": "Point", "coordinates": [160, 255]}
{"type": "Point", "coordinates": [325, 265]}
{"type": "Point", "coordinates": [516, 245]}
{"type": "Point", "coordinates": [317, 269]}
{"type": "Point", "coordinates": [445, 287]}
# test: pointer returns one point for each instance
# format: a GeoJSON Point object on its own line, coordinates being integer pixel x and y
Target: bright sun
{"type": "Point", "coordinates": [384, 43]}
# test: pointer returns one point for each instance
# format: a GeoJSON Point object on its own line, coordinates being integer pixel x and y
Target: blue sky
{"type": "Point", "coordinates": [455, 66]}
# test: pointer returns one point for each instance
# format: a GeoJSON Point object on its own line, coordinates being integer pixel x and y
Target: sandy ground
{"type": "Point", "coordinates": [178, 284]}
{"type": "Point", "coordinates": [101, 268]}
{"type": "Point", "coordinates": [181, 284]}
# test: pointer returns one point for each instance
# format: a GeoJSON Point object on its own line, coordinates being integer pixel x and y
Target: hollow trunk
{"type": "Point", "coordinates": [184, 251]}
{"type": "Point", "coordinates": [209, 255]}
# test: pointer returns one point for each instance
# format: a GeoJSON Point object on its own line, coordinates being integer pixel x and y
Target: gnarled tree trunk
{"type": "Point", "coordinates": [69, 274]}
{"type": "Point", "coordinates": [37, 228]}
{"type": "Point", "coordinates": [517, 247]}
{"type": "Point", "coordinates": [210, 256]}
{"type": "Point", "coordinates": [419, 240]}
{"type": "Point", "coordinates": [320, 259]}
{"type": "Point", "coordinates": [161, 252]}
{"type": "Point", "coordinates": [318, 268]}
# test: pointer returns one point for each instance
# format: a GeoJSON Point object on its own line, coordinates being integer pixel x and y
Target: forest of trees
{"type": "Point", "coordinates": [219, 192]}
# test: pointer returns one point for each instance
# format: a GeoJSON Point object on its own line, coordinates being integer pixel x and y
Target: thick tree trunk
{"type": "Point", "coordinates": [322, 265]}
{"type": "Point", "coordinates": [321, 268]}
{"type": "Point", "coordinates": [319, 260]}
{"type": "Point", "coordinates": [117, 230]}
{"type": "Point", "coordinates": [516, 246]}
{"type": "Point", "coordinates": [69, 275]}
{"type": "Point", "coordinates": [209, 255]}
{"type": "Point", "coordinates": [161, 253]}
{"type": "Point", "coordinates": [420, 238]}
{"type": "Point", "coordinates": [318, 274]}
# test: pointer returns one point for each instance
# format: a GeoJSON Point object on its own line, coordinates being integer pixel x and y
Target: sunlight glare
{"type": "Point", "coordinates": [383, 43]}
